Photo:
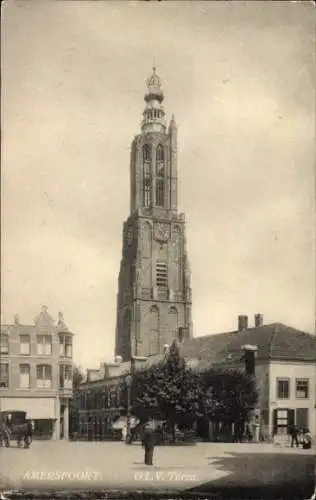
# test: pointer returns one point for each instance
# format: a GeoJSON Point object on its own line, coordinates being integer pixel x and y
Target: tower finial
{"type": "Point", "coordinates": [154, 114]}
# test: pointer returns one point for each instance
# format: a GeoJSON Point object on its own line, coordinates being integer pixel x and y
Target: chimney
{"type": "Point", "coordinates": [258, 320]}
{"type": "Point", "coordinates": [242, 322]}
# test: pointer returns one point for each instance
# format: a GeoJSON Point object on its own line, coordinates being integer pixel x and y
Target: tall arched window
{"type": "Point", "coordinates": [154, 331]}
{"type": "Point", "coordinates": [147, 240]}
{"type": "Point", "coordinates": [160, 176]}
{"type": "Point", "coordinates": [173, 323]}
{"type": "Point", "coordinates": [147, 176]}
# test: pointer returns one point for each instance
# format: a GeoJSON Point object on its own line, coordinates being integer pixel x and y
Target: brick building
{"type": "Point", "coordinates": [36, 372]}
{"type": "Point", "coordinates": [154, 294]}
{"type": "Point", "coordinates": [285, 374]}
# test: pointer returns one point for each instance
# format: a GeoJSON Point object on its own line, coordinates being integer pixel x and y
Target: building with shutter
{"type": "Point", "coordinates": [36, 372]}
{"type": "Point", "coordinates": [285, 371]}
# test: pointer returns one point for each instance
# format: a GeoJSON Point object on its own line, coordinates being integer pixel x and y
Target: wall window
{"type": "Point", "coordinates": [4, 343]}
{"type": "Point", "coordinates": [44, 345]}
{"type": "Point", "coordinates": [68, 347]}
{"type": "Point", "coordinates": [301, 417]}
{"type": "Point", "coordinates": [302, 388]}
{"type": "Point", "coordinates": [65, 346]}
{"type": "Point", "coordinates": [65, 377]}
{"type": "Point", "coordinates": [25, 376]}
{"type": "Point", "coordinates": [4, 375]}
{"type": "Point", "coordinates": [43, 376]}
{"type": "Point", "coordinates": [112, 398]}
{"type": "Point", "coordinates": [61, 346]}
{"type": "Point", "coordinates": [283, 388]}
{"type": "Point", "coordinates": [160, 176]}
{"type": "Point", "coordinates": [147, 176]}
{"type": "Point", "coordinates": [118, 397]}
{"type": "Point", "coordinates": [283, 419]}
{"type": "Point", "coordinates": [25, 345]}
{"type": "Point", "coordinates": [162, 275]}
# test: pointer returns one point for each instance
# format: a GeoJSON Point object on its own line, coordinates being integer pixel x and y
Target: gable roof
{"type": "Point", "coordinates": [274, 341]}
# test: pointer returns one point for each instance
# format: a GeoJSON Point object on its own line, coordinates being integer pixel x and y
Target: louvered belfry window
{"type": "Point", "coordinates": [162, 275]}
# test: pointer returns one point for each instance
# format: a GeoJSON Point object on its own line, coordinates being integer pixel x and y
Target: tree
{"type": "Point", "coordinates": [229, 395]}
{"type": "Point", "coordinates": [169, 391]}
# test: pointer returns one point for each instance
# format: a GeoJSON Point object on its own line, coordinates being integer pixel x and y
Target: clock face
{"type": "Point", "coordinates": [161, 232]}
{"type": "Point", "coordinates": [129, 235]}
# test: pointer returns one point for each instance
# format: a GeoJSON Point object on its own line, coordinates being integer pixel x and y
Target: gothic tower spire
{"type": "Point", "coordinates": [154, 296]}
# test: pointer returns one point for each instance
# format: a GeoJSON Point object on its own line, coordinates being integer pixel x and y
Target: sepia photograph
{"type": "Point", "coordinates": [158, 307]}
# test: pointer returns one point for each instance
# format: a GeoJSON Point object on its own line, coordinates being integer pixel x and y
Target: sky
{"type": "Point", "coordinates": [239, 77]}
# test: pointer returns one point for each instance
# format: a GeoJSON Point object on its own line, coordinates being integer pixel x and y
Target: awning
{"type": "Point", "coordinates": [36, 408]}
{"type": "Point", "coordinates": [122, 422]}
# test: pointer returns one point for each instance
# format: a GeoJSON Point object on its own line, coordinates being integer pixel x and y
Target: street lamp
{"type": "Point", "coordinates": [128, 381]}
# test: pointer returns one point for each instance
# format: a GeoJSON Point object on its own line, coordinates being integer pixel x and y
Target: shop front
{"type": "Point", "coordinates": [41, 410]}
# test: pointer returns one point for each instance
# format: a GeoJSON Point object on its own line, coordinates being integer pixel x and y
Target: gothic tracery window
{"type": "Point", "coordinates": [147, 176]}
{"type": "Point", "coordinates": [173, 323]}
{"type": "Point", "coordinates": [160, 176]}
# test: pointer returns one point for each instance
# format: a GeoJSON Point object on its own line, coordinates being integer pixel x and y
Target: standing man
{"type": "Point", "coordinates": [149, 445]}
{"type": "Point", "coordinates": [294, 436]}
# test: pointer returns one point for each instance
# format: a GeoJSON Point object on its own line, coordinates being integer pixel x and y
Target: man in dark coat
{"type": "Point", "coordinates": [294, 436]}
{"type": "Point", "coordinates": [149, 445]}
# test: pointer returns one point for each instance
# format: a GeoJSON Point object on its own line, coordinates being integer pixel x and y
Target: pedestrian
{"type": "Point", "coordinates": [149, 445]}
{"type": "Point", "coordinates": [239, 432]}
{"type": "Point", "coordinates": [306, 439]}
{"type": "Point", "coordinates": [294, 432]}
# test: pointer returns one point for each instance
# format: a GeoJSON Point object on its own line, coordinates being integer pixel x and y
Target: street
{"type": "Point", "coordinates": [114, 465]}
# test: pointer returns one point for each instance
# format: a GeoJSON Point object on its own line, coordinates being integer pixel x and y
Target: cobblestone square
{"type": "Point", "coordinates": [115, 465]}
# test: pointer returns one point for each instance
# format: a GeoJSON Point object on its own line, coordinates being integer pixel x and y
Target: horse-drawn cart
{"type": "Point", "coordinates": [15, 426]}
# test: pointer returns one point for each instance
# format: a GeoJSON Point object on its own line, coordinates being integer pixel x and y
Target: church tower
{"type": "Point", "coordinates": [154, 294]}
